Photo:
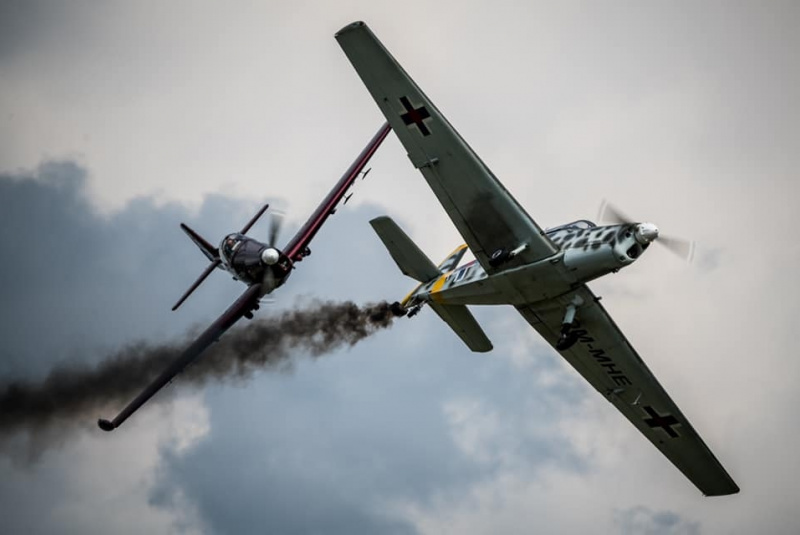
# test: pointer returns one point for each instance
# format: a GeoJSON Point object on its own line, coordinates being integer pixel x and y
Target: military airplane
{"type": "Point", "coordinates": [542, 273]}
{"type": "Point", "coordinates": [262, 266]}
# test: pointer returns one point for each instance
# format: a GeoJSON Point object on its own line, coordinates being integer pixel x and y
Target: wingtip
{"type": "Point", "coordinates": [350, 27]}
{"type": "Point", "coordinates": [726, 490]}
{"type": "Point", "coordinates": [105, 425]}
{"type": "Point", "coordinates": [377, 220]}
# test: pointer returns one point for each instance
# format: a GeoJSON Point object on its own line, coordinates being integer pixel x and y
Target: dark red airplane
{"type": "Point", "coordinates": [263, 267]}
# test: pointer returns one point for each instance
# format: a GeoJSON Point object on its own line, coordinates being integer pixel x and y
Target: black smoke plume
{"type": "Point", "coordinates": [73, 397]}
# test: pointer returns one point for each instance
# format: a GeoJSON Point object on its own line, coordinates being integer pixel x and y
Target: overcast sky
{"type": "Point", "coordinates": [119, 120]}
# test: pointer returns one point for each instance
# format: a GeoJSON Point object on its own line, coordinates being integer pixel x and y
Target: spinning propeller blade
{"type": "Point", "coordinates": [276, 222]}
{"type": "Point", "coordinates": [678, 246]}
{"type": "Point", "coordinates": [612, 214]}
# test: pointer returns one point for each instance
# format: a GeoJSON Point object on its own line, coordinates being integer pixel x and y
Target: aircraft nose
{"type": "Point", "coordinates": [270, 256]}
{"type": "Point", "coordinates": [647, 232]}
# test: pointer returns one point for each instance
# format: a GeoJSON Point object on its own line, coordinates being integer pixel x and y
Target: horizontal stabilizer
{"type": "Point", "coordinates": [408, 257]}
{"type": "Point", "coordinates": [207, 249]}
{"type": "Point", "coordinates": [214, 263]}
{"type": "Point", "coordinates": [461, 320]}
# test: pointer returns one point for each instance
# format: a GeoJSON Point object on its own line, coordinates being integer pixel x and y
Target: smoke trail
{"type": "Point", "coordinates": [74, 396]}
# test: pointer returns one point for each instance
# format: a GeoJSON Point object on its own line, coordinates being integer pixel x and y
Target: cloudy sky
{"type": "Point", "coordinates": [119, 120]}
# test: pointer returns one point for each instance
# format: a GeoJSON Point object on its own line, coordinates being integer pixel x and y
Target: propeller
{"type": "Point", "coordinates": [271, 254]}
{"type": "Point", "coordinates": [680, 247]}
{"type": "Point", "coordinates": [275, 224]}
{"type": "Point", "coordinates": [612, 214]}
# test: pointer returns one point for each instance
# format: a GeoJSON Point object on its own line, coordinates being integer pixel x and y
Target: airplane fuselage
{"type": "Point", "coordinates": [251, 261]}
{"type": "Point", "coordinates": [586, 252]}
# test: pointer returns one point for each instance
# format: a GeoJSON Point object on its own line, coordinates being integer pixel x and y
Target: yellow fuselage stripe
{"type": "Point", "coordinates": [437, 287]}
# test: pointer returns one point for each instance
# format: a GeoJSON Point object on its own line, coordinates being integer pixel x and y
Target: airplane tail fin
{"type": "Point", "coordinates": [451, 262]}
{"type": "Point", "coordinates": [413, 263]}
{"type": "Point", "coordinates": [206, 248]}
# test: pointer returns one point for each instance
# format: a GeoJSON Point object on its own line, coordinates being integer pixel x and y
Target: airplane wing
{"type": "Point", "coordinates": [608, 361]}
{"type": "Point", "coordinates": [483, 211]}
{"type": "Point", "coordinates": [294, 249]}
{"type": "Point", "coordinates": [244, 304]}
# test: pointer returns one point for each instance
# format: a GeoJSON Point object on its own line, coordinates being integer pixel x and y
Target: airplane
{"type": "Point", "coordinates": [262, 266]}
{"type": "Point", "coordinates": [542, 273]}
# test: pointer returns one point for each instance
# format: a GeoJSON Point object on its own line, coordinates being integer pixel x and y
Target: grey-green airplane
{"type": "Point", "coordinates": [542, 273]}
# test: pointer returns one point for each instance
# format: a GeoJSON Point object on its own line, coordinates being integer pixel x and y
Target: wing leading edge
{"type": "Point", "coordinates": [605, 358]}
{"type": "Point", "coordinates": [483, 211]}
{"type": "Point", "coordinates": [244, 304]}
{"type": "Point", "coordinates": [294, 249]}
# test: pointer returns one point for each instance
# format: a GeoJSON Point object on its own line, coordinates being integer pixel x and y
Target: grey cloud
{"type": "Point", "coordinates": [354, 433]}
{"type": "Point", "coordinates": [20, 23]}
{"type": "Point", "coordinates": [76, 281]}
{"type": "Point", "coordinates": [332, 447]}
{"type": "Point", "coordinates": [327, 448]}
{"type": "Point", "coordinates": [641, 520]}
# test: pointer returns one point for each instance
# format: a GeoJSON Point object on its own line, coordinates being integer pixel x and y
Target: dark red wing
{"type": "Point", "coordinates": [239, 308]}
{"type": "Point", "coordinates": [296, 245]}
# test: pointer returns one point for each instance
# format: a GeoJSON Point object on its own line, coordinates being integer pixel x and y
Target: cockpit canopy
{"type": "Point", "coordinates": [229, 245]}
{"type": "Point", "coordinates": [581, 224]}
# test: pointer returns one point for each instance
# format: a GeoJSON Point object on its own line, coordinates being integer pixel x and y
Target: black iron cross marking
{"type": "Point", "coordinates": [664, 422]}
{"type": "Point", "coordinates": [415, 116]}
